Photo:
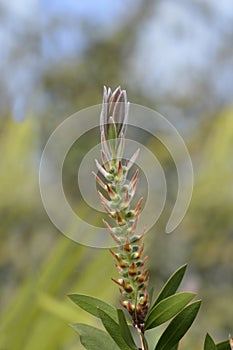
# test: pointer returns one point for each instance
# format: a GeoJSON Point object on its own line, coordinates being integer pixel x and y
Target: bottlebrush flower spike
{"type": "Point", "coordinates": [128, 254]}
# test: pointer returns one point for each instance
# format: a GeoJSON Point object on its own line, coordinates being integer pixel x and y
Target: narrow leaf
{"type": "Point", "coordinates": [223, 345]}
{"type": "Point", "coordinates": [167, 308]}
{"type": "Point", "coordinates": [124, 329]}
{"type": "Point", "coordinates": [171, 285]}
{"type": "Point", "coordinates": [113, 329]}
{"type": "Point", "coordinates": [209, 343]}
{"type": "Point", "coordinates": [93, 338]}
{"type": "Point", "coordinates": [175, 347]}
{"type": "Point", "coordinates": [178, 327]}
{"type": "Point", "coordinates": [92, 305]}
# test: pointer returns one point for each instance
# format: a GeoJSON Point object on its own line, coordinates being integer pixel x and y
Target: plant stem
{"type": "Point", "coordinates": [142, 340]}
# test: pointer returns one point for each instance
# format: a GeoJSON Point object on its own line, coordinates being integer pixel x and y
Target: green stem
{"type": "Point", "coordinates": [142, 340]}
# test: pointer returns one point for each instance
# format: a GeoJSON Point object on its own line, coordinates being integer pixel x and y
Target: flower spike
{"type": "Point", "coordinates": [128, 254]}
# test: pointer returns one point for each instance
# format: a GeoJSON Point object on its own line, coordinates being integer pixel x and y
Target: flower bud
{"type": "Point", "coordinates": [142, 277]}
{"type": "Point", "coordinates": [114, 110]}
{"type": "Point", "coordinates": [127, 247]}
{"type": "Point", "coordinates": [120, 221]}
{"type": "Point", "coordinates": [132, 269]}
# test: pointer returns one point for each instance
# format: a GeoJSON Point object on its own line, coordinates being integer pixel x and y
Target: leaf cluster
{"type": "Point", "coordinates": [167, 306]}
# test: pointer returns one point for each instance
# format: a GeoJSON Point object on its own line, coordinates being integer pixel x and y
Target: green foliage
{"type": "Point", "coordinates": [113, 329]}
{"type": "Point", "coordinates": [175, 347]}
{"type": "Point", "coordinates": [170, 306]}
{"type": "Point", "coordinates": [178, 327]}
{"type": "Point", "coordinates": [124, 329]}
{"type": "Point", "coordinates": [167, 308]}
{"type": "Point", "coordinates": [93, 338]}
{"type": "Point", "coordinates": [171, 285]}
{"type": "Point", "coordinates": [209, 343]}
{"type": "Point", "coordinates": [224, 345]}
{"type": "Point", "coordinates": [92, 305]}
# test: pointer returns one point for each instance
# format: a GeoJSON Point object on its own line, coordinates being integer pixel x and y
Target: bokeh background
{"type": "Point", "coordinates": [173, 56]}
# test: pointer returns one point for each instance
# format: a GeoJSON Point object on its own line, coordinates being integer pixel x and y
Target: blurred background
{"type": "Point", "coordinates": [173, 56]}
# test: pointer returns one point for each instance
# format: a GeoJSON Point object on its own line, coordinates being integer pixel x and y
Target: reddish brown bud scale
{"type": "Point", "coordinates": [118, 281]}
{"type": "Point", "coordinates": [134, 226]}
{"type": "Point", "coordinates": [119, 171]}
{"type": "Point", "coordinates": [135, 176]}
{"type": "Point", "coordinates": [110, 213]}
{"type": "Point", "coordinates": [119, 269]}
{"type": "Point", "coordinates": [122, 264]}
{"type": "Point", "coordinates": [134, 187]}
{"type": "Point", "coordinates": [124, 303]}
{"type": "Point", "coordinates": [120, 221]}
{"type": "Point", "coordinates": [116, 239]}
{"type": "Point", "coordinates": [126, 199]}
{"type": "Point", "coordinates": [141, 250]}
{"type": "Point", "coordinates": [142, 277]}
{"type": "Point", "coordinates": [145, 260]}
{"type": "Point", "coordinates": [126, 246]}
{"type": "Point", "coordinates": [132, 269]}
{"type": "Point", "coordinates": [101, 169]}
{"type": "Point", "coordinates": [112, 195]}
{"type": "Point", "coordinates": [103, 199]}
{"type": "Point", "coordinates": [130, 308]}
{"type": "Point", "coordinates": [142, 234]}
{"type": "Point", "coordinates": [105, 161]}
{"type": "Point", "coordinates": [128, 305]}
{"type": "Point", "coordinates": [99, 181]}
{"type": "Point", "coordinates": [138, 207]}
{"type": "Point", "coordinates": [116, 256]}
{"type": "Point", "coordinates": [127, 287]}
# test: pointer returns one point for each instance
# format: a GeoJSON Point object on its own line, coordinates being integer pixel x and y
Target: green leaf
{"type": "Point", "coordinates": [175, 347]}
{"type": "Point", "coordinates": [92, 305]}
{"type": "Point", "coordinates": [171, 285]}
{"type": "Point", "coordinates": [209, 343]}
{"type": "Point", "coordinates": [93, 338]}
{"type": "Point", "coordinates": [113, 329]}
{"type": "Point", "coordinates": [223, 345]}
{"type": "Point", "coordinates": [178, 327]}
{"type": "Point", "coordinates": [124, 329]}
{"type": "Point", "coordinates": [167, 308]}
